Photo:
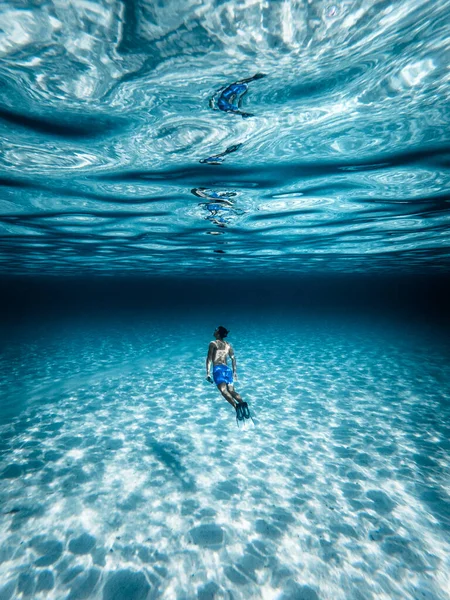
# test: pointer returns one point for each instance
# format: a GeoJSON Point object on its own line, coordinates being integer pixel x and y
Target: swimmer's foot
{"type": "Point", "coordinates": [245, 410]}
{"type": "Point", "coordinates": [239, 412]}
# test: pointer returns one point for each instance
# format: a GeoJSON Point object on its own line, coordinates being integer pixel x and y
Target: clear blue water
{"type": "Point", "coordinates": [120, 134]}
{"type": "Point", "coordinates": [278, 167]}
{"type": "Point", "coordinates": [124, 475]}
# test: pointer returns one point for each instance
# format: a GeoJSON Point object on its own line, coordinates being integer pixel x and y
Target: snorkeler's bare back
{"type": "Point", "coordinates": [220, 352]}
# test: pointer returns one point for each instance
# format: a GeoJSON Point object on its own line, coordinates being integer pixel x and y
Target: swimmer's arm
{"type": "Point", "coordinates": [233, 361]}
{"type": "Point", "coordinates": [209, 358]}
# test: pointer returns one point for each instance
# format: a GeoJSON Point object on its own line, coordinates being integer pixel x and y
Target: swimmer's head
{"type": "Point", "coordinates": [221, 332]}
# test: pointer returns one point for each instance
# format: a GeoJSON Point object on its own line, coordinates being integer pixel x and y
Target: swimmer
{"type": "Point", "coordinates": [218, 353]}
{"type": "Point", "coordinates": [230, 98]}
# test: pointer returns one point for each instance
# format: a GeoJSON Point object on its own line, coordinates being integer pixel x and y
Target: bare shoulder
{"type": "Point", "coordinates": [230, 349]}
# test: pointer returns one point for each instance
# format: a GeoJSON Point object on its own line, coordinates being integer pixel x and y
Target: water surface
{"type": "Point", "coordinates": [120, 155]}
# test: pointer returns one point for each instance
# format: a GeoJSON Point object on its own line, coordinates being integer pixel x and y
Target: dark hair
{"type": "Point", "coordinates": [223, 332]}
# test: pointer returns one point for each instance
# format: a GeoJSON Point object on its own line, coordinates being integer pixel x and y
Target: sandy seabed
{"type": "Point", "coordinates": [123, 474]}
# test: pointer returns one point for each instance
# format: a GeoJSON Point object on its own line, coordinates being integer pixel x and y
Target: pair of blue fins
{"type": "Point", "coordinates": [242, 412]}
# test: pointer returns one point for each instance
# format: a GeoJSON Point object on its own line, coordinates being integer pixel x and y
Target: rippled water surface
{"type": "Point", "coordinates": [136, 137]}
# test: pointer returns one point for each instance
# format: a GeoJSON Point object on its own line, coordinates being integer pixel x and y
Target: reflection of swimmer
{"type": "Point", "coordinates": [218, 204]}
{"type": "Point", "coordinates": [211, 194]}
{"type": "Point", "coordinates": [217, 159]}
{"type": "Point", "coordinates": [230, 98]}
{"type": "Point", "coordinates": [216, 215]}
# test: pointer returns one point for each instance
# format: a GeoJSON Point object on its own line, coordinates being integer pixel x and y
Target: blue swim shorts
{"type": "Point", "coordinates": [222, 374]}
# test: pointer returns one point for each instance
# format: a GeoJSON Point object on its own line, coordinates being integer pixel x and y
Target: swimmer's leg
{"type": "Point", "coordinates": [244, 115]}
{"type": "Point", "coordinates": [242, 409]}
{"type": "Point", "coordinates": [226, 394]}
{"type": "Point", "coordinates": [233, 393]}
{"type": "Point", "coordinates": [254, 78]}
{"type": "Point", "coordinates": [230, 149]}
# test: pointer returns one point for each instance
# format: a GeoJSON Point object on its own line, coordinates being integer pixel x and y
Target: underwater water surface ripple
{"type": "Point", "coordinates": [169, 137]}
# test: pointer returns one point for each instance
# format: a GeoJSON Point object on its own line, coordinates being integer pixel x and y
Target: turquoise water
{"type": "Point", "coordinates": [280, 167]}
{"type": "Point", "coordinates": [119, 137]}
{"type": "Point", "coordinates": [124, 474]}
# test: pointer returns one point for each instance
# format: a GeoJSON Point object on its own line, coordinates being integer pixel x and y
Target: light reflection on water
{"type": "Point", "coordinates": [114, 111]}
